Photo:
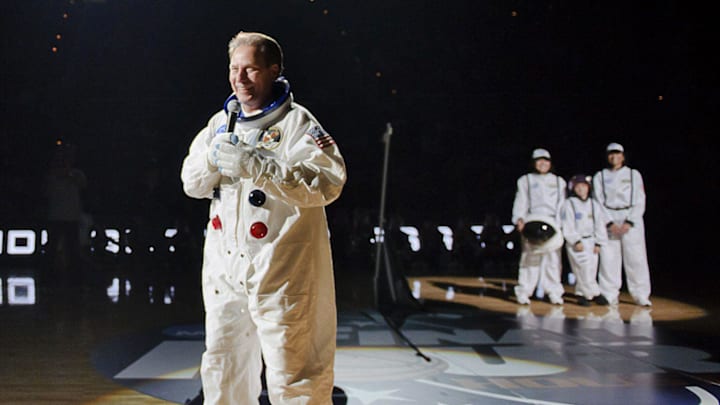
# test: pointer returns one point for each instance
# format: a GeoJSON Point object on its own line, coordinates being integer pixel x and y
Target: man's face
{"type": "Point", "coordinates": [250, 78]}
{"type": "Point", "coordinates": [616, 159]}
{"type": "Point", "coordinates": [542, 165]}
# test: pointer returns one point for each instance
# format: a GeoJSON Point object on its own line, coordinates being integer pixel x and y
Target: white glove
{"type": "Point", "coordinates": [232, 158]}
{"type": "Point", "coordinates": [215, 145]}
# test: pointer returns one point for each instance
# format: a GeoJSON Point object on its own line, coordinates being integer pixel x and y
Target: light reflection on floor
{"type": "Point", "coordinates": [482, 346]}
{"type": "Point", "coordinates": [495, 294]}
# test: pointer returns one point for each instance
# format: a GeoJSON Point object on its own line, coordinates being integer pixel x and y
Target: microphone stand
{"type": "Point", "coordinates": [380, 237]}
{"type": "Point", "coordinates": [381, 251]}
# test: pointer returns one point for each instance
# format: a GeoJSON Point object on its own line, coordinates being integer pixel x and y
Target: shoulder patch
{"type": "Point", "coordinates": [321, 138]}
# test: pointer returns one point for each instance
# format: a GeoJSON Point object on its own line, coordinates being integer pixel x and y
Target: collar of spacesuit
{"type": "Point", "coordinates": [282, 98]}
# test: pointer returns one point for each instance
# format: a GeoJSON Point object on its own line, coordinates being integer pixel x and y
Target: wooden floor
{"type": "Point", "coordinates": [495, 294]}
{"type": "Point", "coordinates": [47, 347]}
{"type": "Point", "coordinates": [67, 348]}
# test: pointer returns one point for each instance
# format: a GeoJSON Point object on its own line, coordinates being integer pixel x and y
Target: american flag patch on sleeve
{"type": "Point", "coordinates": [321, 138]}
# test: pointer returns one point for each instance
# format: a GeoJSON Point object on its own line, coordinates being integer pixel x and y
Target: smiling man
{"type": "Point", "coordinates": [253, 70]}
{"type": "Point", "coordinates": [267, 277]}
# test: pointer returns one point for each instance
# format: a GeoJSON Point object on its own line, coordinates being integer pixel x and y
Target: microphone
{"type": "Point", "coordinates": [388, 129]}
{"type": "Point", "coordinates": [233, 109]}
{"type": "Point", "coordinates": [388, 133]}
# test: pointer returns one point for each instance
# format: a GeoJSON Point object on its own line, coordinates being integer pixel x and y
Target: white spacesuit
{"type": "Point", "coordinates": [582, 222]}
{"type": "Point", "coordinates": [540, 196]}
{"type": "Point", "coordinates": [621, 194]}
{"type": "Point", "coordinates": [267, 278]}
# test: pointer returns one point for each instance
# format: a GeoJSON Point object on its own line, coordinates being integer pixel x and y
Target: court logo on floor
{"type": "Point", "coordinates": [456, 359]}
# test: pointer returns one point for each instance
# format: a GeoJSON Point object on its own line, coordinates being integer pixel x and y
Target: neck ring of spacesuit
{"type": "Point", "coordinates": [280, 95]}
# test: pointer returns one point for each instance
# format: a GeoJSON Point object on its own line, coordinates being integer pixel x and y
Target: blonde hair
{"type": "Point", "coordinates": [268, 47]}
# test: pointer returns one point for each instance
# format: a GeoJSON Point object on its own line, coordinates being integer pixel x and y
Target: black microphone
{"type": "Point", "coordinates": [233, 108]}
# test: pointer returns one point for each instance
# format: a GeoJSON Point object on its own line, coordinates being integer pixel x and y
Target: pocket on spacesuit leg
{"type": "Point", "coordinates": [281, 308]}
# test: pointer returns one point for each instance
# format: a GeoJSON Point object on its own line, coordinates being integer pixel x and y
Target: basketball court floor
{"type": "Point", "coordinates": [124, 342]}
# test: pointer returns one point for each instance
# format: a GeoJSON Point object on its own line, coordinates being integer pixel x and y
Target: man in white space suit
{"type": "Point", "coordinates": [621, 193]}
{"type": "Point", "coordinates": [539, 197]}
{"type": "Point", "coordinates": [269, 169]}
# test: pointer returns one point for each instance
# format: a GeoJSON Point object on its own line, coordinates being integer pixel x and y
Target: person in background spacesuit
{"type": "Point", "coordinates": [584, 233]}
{"type": "Point", "coordinates": [539, 197]}
{"type": "Point", "coordinates": [267, 275]}
{"type": "Point", "coordinates": [621, 194]}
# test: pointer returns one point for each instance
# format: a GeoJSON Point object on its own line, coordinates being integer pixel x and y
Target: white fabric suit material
{"type": "Point", "coordinates": [269, 294]}
{"type": "Point", "coordinates": [621, 194]}
{"type": "Point", "coordinates": [582, 221]}
{"type": "Point", "coordinates": [540, 195]}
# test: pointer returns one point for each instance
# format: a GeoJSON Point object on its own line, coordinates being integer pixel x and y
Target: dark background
{"type": "Point", "coordinates": [470, 86]}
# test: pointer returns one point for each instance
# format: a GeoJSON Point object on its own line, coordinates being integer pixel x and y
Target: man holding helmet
{"type": "Point", "coordinates": [536, 215]}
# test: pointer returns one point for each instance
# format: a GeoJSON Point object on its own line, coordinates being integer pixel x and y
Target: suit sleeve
{"type": "Point", "coordinates": [600, 231]}
{"type": "Point", "coordinates": [599, 196]}
{"type": "Point", "coordinates": [311, 175]}
{"type": "Point", "coordinates": [198, 177]}
{"type": "Point", "coordinates": [567, 221]}
{"type": "Point", "coordinates": [520, 205]}
{"type": "Point", "coordinates": [561, 197]}
{"type": "Point", "coordinates": [638, 208]}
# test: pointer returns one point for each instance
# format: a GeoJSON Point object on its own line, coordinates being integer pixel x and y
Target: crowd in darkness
{"type": "Point", "coordinates": [139, 197]}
